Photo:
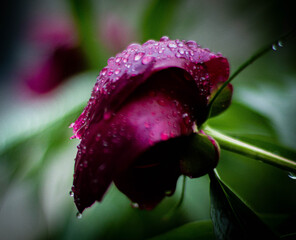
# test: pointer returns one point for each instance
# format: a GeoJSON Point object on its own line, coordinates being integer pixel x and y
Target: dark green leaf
{"type": "Point", "coordinates": [240, 119]}
{"type": "Point", "coordinates": [232, 219]}
{"type": "Point", "coordinates": [202, 230]}
{"type": "Point", "coordinates": [222, 102]}
{"type": "Point", "coordinates": [157, 18]}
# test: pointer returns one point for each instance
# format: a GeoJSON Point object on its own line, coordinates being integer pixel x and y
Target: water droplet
{"type": "Point", "coordinates": [164, 136]}
{"type": "Point", "coordinates": [147, 59]}
{"type": "Point", "coordinates": [78, 215]}
{"type": "Point", "coordinates": [110, 60]}
{"type": "Point", "coordinates": [280, 44]}
{"type": "Point", "coordinates": [134, 46]}
{"type": "Point", "coordinates": [292, 175]}
{"type": "Point", "coordinates": [164, 39]}
{"type": "Point", "coordinates": [103, 72]}
{"type": "Point", "coordinates": [191, 43]}
{"type": "Point", "coordinates": [118, 59]}
{"type": "Point", "coordinates": [107, 115]}
{"type": "Point", "coordinates": [98, 137]}
{"type": "Point", "coordinates": [110, 72]}
{"type": "Point", "coordinates": [172, 45]}
{"type": "Point", "coordinates": [117, 71]}
{"type": "Point", "coordinates": [135, 205]}
{"type": "Point", "coordinates": [71, 193]}
{"type": "Point", "coordinates": [161, 102]}
{"type": "Point", "coordinates": [138, 56]}
{"type": "Point", "coordinates": [274, 47]}
{"type": "Point", "coordinates": [181, 51]}
{"type": "Point", "coordinates": [102, 167]}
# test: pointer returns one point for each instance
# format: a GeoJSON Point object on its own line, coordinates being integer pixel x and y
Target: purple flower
{"type": "Point", "coordinates": [57, 55]}
{"type": "Point", "coordinates": [148, 98]}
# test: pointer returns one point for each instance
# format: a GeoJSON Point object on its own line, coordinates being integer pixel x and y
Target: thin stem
{"type": "Point", "coordinates": [182, 193]}
{"type": "Point", "coordinates": [253, 58]}
{"type": "Point", "coordinates": [237, 146]}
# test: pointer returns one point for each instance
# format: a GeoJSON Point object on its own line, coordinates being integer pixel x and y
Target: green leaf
{"type": "Point", "coordinates": [222, 101]}
{"type": "Point", "coordinates": [157, 18]}
{"type": "Point", "coordinates": [240, 119]}
{"type": "Point", "coordinates": [202, 230]}
{"type": "Point", "coordinates": [232, 219]}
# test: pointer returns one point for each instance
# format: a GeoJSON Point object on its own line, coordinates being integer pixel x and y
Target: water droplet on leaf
{"type": "Point", "coordinates": [292, 175]}
{"type": "Point", "coordinates": [274, 48]}
{"type": "Point", "coordinates": [71, 193]}
{"type": "Point", "coordinates": [78, 215]}
{"type": "Point", "coordinates": [280, 44]}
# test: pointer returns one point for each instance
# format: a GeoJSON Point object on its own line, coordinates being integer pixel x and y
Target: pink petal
{"type": "Point", "coordinates": [137, 63]}
{"type": "Point", "coordinates": [156, 112]}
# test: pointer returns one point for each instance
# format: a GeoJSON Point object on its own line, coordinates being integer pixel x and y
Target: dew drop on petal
{"type": "Point", "coordinates": [71, 193]}
{"type": "Point", "coordinates": [147, 59]}
{"type": "Point", "coordinates": [172, 45]}
{"type": "Point", "coordinates": [107, 115]}
{"type": "Point", "coordinates": [164, 39]}
{"type": "Point", "coordinates": [164, 136]}
{"type": "Point", "coordinates": [138, 56]}
{"type": "Point", "coordinates": [103, 72]}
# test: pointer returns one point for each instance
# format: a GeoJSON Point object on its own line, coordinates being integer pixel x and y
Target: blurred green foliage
{"type": "Point", "coordinates": [37, 157]}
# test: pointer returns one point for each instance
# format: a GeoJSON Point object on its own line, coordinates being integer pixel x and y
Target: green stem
{"type": "Point", "coordinates": [237, 146]}
{"type": "Point", "coordinates": [257, 55]}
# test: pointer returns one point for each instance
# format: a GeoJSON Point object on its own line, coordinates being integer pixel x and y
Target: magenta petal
{"type": "Point", "coordinates": [137, 63]}
{"type": "Point", "coordinates": [152, 177]}
{"type": "Point", "coordinates": [156, 112]}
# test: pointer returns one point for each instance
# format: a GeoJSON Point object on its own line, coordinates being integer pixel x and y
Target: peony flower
{"type": "Point", "coordinates": [57, 55]}
{"type": "Point", "coordinates": [138, 125]}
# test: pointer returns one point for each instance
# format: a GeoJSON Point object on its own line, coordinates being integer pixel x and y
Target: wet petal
{"type": "Point", "coordinates": [131, 68]}
{"type": "Point", "coordinates": [156, 112]}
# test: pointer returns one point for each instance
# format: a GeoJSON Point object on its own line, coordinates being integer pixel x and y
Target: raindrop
{"type": "Point", "coordinates": [103, 72]}
{"type": "Point", "coordinates": [98, 137]}
{"type": "Point", "coordinates": [147, 59]}
{"type": "Point", "coordinates": [138, 56]}
{"type": "Point", "coordinates": [164, 39]}
{"type": "Point", "coordinates": [280, 44]}
{"type": "Point", "coordinates": [292, 175]}
{"type": "Point", "coordinates": [164, 136]}
{"type": "Point", "coordinates": [110, 72]}
{"type": "Point", "coordinates": [274, 47]}
{"type": "Point", "coordinates": [191, 43]}
{"type": "Point", "coordinates": [71, 193]}
{"type": "Point", "coordinates": [135, 205]}
{"type": "Point", "coordinates": [107, 115]}
{"type": "Point", "coordinates": [172, 45]}
{"type": "Point", "coordinates": [118, 59]}
{"type": "Point", "coordinates": [181, 51]}
{"type": "Point", "coordinates": [78, 215]}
